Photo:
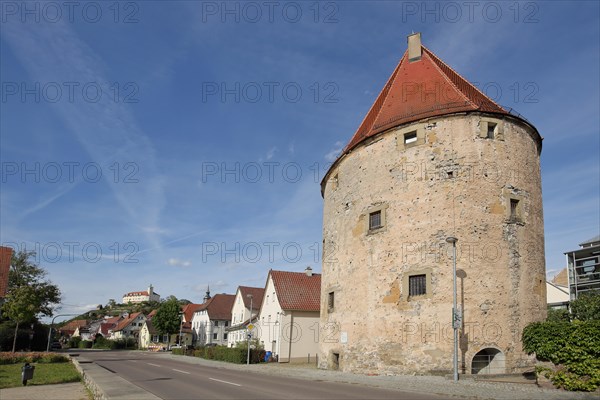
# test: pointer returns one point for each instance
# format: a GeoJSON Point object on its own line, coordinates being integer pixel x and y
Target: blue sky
{"type": "Point", "coordinates": [182, 143]}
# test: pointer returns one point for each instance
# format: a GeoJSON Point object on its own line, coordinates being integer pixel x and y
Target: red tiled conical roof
{"type": "Point", "coordinates": [419, 89]}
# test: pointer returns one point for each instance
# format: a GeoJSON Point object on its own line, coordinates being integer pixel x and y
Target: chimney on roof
{"type": "Point", "coordinates": [308, 271]}
{"type": "Point", "coordinates": [414, 47]}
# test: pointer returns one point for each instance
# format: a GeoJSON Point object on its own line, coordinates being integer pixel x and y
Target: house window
{"type": "Point", "coordinates": [216, 323]}
{"type": "Point", "coordinates": [410, 137]}
{"type": "Point", "coordinates": [165, 338]}
{"type": "Point", "coordinates": [224, 336]}
{"type": "Point", "coordinates": [215, 336]}
{"type": "Point", "coordinates": [330, 301]}
{"type": "Point", "coordinates": [226, 323]}
{"type": "Point", "coordinates": [417, 285]}
{"type": "Point", "coordinates": [375, 220]}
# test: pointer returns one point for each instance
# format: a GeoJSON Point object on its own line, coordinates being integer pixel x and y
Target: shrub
{"type": "Point", "coordinates": [573, 347]}
{"type": "Point", "coordinates": [85, 344]}
{"type": "Point", "coordinates": [103, 343]}
{"type": "Point", "coordinates": [235, 355]}
{"type": "Point", "coordinates": [177, 352]}
{"type": "Point", "coordinates": [74, 342]}
{"type": "Point", "coordinates": [39, 357]}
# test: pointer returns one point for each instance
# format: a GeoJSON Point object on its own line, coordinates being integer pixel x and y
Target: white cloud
{"type": "Point", "coordinates": [176, 262]}
{"type": "Point", "coordinates": [271, 153]}
{"type": "Point", "coordinates": [335, 152]}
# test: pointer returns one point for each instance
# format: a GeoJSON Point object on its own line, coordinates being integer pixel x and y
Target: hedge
{"type": "Point", "coordinates": [573, 347]}
{"type": "Point", "coordinates": [234, 355]}
{"type": "Point", "coordinates": [38, 357]}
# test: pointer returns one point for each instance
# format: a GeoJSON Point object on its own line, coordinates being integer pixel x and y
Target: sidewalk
{"type": "Point", "coordinates": [63, 391]}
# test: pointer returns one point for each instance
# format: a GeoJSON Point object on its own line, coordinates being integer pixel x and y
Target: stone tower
{"type": "Point", "coordinates": [434, 158]}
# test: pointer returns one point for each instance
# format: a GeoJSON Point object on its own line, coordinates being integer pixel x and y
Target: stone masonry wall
{"type": "Point", "coordinates": [451, 181]}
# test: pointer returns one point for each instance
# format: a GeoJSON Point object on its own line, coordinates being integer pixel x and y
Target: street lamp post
{"type": "Point", "coordinates": [249, 333]}
{"type": "Point", "coordinates": [180, 329]}
{"type": "Point", "coordinates": [455, 317]}
{"type": "Point", "coordinates": [52, 323]}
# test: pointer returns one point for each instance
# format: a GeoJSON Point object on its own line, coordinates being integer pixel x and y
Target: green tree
{"type": "Point", "coordinates": [30, 295]}
{"type": "Point", "coordinates": [167, 319]}
{"type": "Point", "coordinates": [586, 307]}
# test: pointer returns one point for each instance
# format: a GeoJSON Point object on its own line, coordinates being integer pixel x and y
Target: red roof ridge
{"type": "Point", "coordinates": [440, 61]}
{"type": "Point", "coordinates": [398, 104]}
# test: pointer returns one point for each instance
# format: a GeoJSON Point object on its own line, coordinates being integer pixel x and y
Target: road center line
{"type": "Point", "coordinates": [229, 383]}
{"type": "Point", "coordinates": [183, 372]}
{"type": "Point", "coordinates": [154, 365]}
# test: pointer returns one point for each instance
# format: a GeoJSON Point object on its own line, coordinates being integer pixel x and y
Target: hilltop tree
{"type": "Point", "coordinates": [30, 295]}
{"type": "Point", "coordinates": [167, 319]}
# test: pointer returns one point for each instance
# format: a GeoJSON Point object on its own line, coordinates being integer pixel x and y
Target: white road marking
{"type": "Point", "coordinates": [229, 383]}
{"type": "Point", "coordinates": [183, 372]}
{"type": "Point", "coordinates": [154, 365]}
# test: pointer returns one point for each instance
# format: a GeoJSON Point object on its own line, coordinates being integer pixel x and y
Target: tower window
{"type": "Point", "coordinates": [410, 137]}
{"type": "Point", "coordinates": [491, 130]}
{"type": "Point", "coordinates": [375, 220]}
{"type": "Point", "coordinates": [330, 301]}
{"type": "Point", "coordinates": [335, 181]}
{"type": "Point", "coordinates": [514, 209]}
{"type": "Point", "coordinates": [417, 285]}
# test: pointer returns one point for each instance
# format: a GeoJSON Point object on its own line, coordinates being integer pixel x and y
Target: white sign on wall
{"type": "Point", "coordinates": [344, 337]}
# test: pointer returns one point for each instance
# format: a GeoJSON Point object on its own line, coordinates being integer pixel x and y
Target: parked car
{"type": "Point", "coordinates": [55, 346]}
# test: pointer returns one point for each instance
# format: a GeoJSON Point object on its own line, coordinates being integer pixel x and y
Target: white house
{"type": "Point", "coordinates": [141, 296]}
{"type": "Point", "coordinates": [210, 321]}
{"type": "Point", "coordinates": [245, 297]}
{"type": "Point", "coordinates": [128, 327]}
{"type": "Point", "coordinates": [288, 321]}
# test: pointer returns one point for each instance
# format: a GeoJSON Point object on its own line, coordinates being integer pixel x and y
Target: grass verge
{"type": "Point", "coordinates": [44, 374]}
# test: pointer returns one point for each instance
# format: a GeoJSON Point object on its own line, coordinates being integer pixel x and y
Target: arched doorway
{"type": "Point", "coordinates": [488, 361]}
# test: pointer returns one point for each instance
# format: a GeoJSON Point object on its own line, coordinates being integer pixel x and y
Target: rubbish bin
{"type": "Point", "coordinates": [26, 373]}
{"type": "Point", "coordinates": [268, 356]}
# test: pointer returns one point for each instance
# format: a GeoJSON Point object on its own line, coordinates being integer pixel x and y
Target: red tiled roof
{"type": "Point", "coordinates": [5, 257]}
{"type": "Point", "coordinates": [421, 89]}
{"type": "Point", "coordinates": [257, 296]}
{"type": "Point", "coordinates": [73, 325]}
{"type": "Point", "coordinates": [124, 323]}
{"type": "Point", "coordinates": [189, 310]}
{"type": "Point", "coordinates": [297, 291]}
{"type": "Point", "coordinates": [144, 293]}
{"type": "Point", "coordinates": [152, 314]}
{"type": "Point", "coordinates": [219, 307]}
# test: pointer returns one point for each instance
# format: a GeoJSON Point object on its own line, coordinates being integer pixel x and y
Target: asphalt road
{"type": "Point", "coordinates": [172, 379]}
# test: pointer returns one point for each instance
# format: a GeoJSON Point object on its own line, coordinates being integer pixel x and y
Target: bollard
{"type": "Point", "coordinates": [27, 373]}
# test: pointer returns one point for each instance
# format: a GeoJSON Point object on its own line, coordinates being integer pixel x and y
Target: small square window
{"type": "Point", "coordinates": [491, 130]}
{"type": "Point", "coordinates": [417, 285]}
{"type": "Point", "coordinates": [216, 323]}
{"type": "Point", "coordinates": [375, 220]}
{"type": "Point", "coordinates": [410, 137]}
{"type": "Point", "coordinates": [450, 174]}
{"type": "Point", "coordinates": [330, 301]}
